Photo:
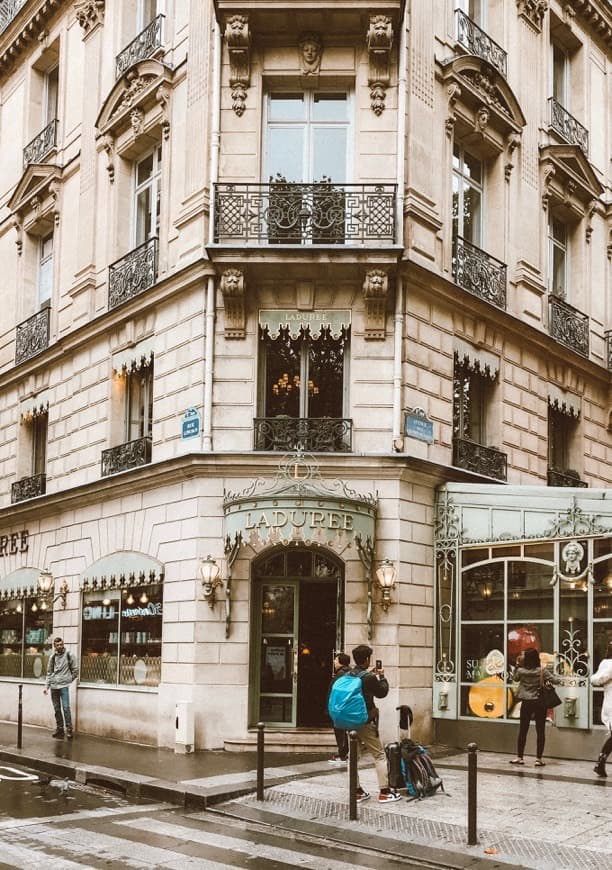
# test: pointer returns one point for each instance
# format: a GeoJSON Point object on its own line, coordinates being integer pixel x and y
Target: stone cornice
{"type": "Point", "coordinates": [28, 25]}
{"type": "Point", "coordinates": [596, 15]}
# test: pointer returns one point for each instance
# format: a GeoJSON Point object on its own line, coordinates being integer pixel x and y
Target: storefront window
{"type": "Point", "coordinates": [121, 636]}
{"type": "Point", "coordinates": [24, 632]}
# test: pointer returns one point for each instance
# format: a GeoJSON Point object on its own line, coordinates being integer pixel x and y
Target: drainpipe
{"type": "Point", "coordinates": [210, 288]}
{"type": "Point", "coordinates": [399, 291]}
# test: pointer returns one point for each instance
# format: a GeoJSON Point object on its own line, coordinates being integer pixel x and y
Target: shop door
{"type": "Point", "coordinates": [296, 626]}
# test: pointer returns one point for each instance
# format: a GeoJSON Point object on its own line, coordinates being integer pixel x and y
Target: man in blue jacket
{"type": "Point", "coordinates": [61, 671]}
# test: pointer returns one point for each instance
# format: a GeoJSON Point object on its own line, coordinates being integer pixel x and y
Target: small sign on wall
{"type": "Point", "coordinates": [418, 425]}
{"type": "Point", "coordinates": [190, 427]}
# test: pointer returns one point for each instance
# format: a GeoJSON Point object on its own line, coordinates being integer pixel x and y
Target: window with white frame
{"type": "Point", "coordinates": [51, 86]}
{"type": "Point", "coordinates": [45, 271]}
{"type": "Point", "coordinates": [138, 419]}
{"type": "Point", "coordinates": [560, 75]}
{"type": "Point", "coordinates": [557, 257]}
{"type": "Point", "coordinates": [147, 11]}
{"type": "Point", "coordinates": [147, 196]}
{"type": "Point", "coordinates": [468, 196]}
{"type": "Point", "coordinates": [474, 9]}
{"type": "Point", "coordinates": [39, 427]}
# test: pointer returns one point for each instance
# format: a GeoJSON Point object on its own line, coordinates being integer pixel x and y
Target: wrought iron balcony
{"type": "Point", "coordinates": [479, 272]}
{"type": "Point", "coordinates": [8, 11]}
{"type": "Point", "coordinates": [557, 477]}
{"type": "Point", "coordinates": [36, 150]}
{"type": "Point", "coordinates": [143, 46]}
{"type": "Point", "coordinates": [28, 487]}
{"type": "Point", "coordinates": [477, 42]}
{"type": "Point", "coordinates": [313, 434]}
{"type": "Point", "coordinates": [132, 274]}
{"type": "Point", "coordinates": [569, 326]}
{"type": "Point", "coordinates": [126, 456]}
{"type": "Point", "coordinates": [32, 336]}
{"type": "Point", "coordinates": [609, 349]}
{"type": "Point", "coordinates": [567, 126]}
{"type": "Point", "coordinates": [480, 459]}
{"type": "Point", "coordinates": [282, 213]}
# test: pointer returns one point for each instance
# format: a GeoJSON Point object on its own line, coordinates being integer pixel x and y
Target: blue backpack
{"type": "Point", "coordinates": [346, 704]}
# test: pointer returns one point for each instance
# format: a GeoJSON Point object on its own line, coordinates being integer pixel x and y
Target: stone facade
{"type": "Point", "coordinates": [248, 163]}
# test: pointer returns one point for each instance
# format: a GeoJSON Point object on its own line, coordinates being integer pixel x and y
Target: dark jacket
{"type": "Point", "coordinates": [529, 682]}
{"type": "Point", "coordinates": [373, 687]}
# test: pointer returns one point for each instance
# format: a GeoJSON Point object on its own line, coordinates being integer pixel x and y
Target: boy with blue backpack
{"type": "Point", "coordinates": [352, 707]}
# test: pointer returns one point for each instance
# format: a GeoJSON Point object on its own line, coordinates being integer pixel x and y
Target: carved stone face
{"type": "Point", "coordinates": [310, 50]}
{"type": "Point", "coordinates": [572, 555]}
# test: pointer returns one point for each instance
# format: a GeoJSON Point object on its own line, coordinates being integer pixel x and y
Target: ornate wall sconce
{"type": "Point", "coordinates": [386, 575]}
{"type": "Point", "coordinates": [46, 587]}
{"type": "Point", "coordinates": [209, 572]}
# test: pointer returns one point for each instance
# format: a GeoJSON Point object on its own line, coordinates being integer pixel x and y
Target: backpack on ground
{"type": "Point", "coordinates": [346, 704]}
{"type": "Point", "coordinates": [420, 777]}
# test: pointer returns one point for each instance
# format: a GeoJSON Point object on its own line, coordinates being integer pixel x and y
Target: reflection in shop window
{"type": "Point", "coordinates": [24, 633]}
{"type": "Point", "coordinates": [121, 636]}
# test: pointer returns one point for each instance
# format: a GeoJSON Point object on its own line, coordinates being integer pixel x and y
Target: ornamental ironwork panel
{"type": "Point", "coordinates": [567, 126]}
{"type": "Point", "coordinates": [569, 326]}
{"type": "Point", "coordinates": [609, 349]}
{"type": "Point", "coordinates": [567, 477]}
{"type": "Point", "coordinates": [32, 336]}
{"type": "Point", "coordinates": [143, 46]}
{"type": "Point", "coordinates": [8, 11]}
{"type": "Point", "coordinates": [282, 213]}
{"type": "Point", "coordinates": [480, 459]}
{"type": "Point", "coordinates": [479, 272]}
{"type": "Point", "coordinates": [28, 487]}
{"type": "Point", "coordinates": [312, 434]}
{"type": "Point", "coordinates": [36, 150]}
{"type": "Point", "coordinates": [477, 42]}
{"type": "Point", "coordinates": [132, 274]}
{"type": "Point", "coordinates": [126, 456]}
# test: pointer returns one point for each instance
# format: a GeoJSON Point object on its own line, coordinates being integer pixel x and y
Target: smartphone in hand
{"type": "Point", "coordinates": [379, 664]}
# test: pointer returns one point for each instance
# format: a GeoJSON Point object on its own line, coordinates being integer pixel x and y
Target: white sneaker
{"type": "Point", "coordinates": [388, 797]}
{"type": "Point", "coordinates": [337, 760]}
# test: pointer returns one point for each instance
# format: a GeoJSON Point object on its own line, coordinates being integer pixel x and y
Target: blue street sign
{"type": "Point", "coordinates": [191, 423]}
{"type": "Point", "coordinates": [418, 425]}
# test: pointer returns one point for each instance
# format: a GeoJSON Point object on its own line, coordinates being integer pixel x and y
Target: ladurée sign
{"type": "Point", "coordinates": [16, 542]}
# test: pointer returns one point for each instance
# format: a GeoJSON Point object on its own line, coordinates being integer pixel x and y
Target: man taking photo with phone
{"type": "Point", "coordinates": [374, 685]}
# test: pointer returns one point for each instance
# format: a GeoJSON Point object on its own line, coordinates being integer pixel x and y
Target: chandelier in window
{"type": "Point", "coordinates": [285, 386]}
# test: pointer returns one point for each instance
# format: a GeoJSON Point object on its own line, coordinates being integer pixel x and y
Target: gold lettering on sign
{"type": "Point", "coordinates": [317, 519]}
{"type": "Point", "coordinates": [298, 518]}
{"type": "Point", "coordinates": [280, 519]}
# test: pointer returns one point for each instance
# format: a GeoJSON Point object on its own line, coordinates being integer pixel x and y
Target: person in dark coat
{"type": "Point", "coordinates": [342, 662]}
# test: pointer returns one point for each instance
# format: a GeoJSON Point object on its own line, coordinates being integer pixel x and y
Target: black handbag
{"type": "Point", "coordinates": [547, 694]}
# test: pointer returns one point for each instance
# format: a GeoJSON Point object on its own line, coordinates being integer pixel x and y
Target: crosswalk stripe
{"type": "Point", "coordinates": [236, 844]}
{"type": "Point", "coordinates": [100, 813]}
{"type": "Point", "coordinates": [20, 857]}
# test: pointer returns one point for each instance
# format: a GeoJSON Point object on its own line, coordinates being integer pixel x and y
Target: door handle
{"type": "Point", "coordinates": [295, 665]}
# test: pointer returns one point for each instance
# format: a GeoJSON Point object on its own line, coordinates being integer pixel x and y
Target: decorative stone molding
{"type": "Point", "coordinates": [232, 288]}
{"type": "Point", "coordinates": [137, 121]}
{"type": "Point", "coordinates": [375, 291]}
{"type": "Point", "coordinates": [34, 204]}
{"type": "Point", "coordinates": [310, 54]}
{"type": "Point", "coordinates": [533, 12]}
{"type": "Point", "coordinates": [596, 15]}
{"type": "Point", "coordinates": [19, 230]}
{"type": "Point", "coordinates": [162, 95]}
{"type": "Point", "coordinates": [568, 180]}
{"type": "Point", "coordinates": [238, 40]}
{"type": "Point", "coordinates": [513, 143]}
{"type": "Point", "coordinates": [588, 230]}
{"type": "Point", "coordinates": [379, 42]}
{"type": "Point", "coordinates": [28, 24]}
{"type": "Point", "coordinates": [108, 144]}
{"type": "Point", "coordinates": [89, 14]}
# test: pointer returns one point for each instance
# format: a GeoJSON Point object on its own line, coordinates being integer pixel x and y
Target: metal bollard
{"type": "Point", "coordinates": [20, 718]}
{"type": "Point", "coordinates": [472, 794]}
{"type": "Point", "coordinates": [260, 761]}
{"type": "Point", "coordinates": [352, 770]}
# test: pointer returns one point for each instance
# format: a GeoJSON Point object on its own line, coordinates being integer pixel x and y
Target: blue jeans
{"type": "Point", "coordinates": [61, 701]}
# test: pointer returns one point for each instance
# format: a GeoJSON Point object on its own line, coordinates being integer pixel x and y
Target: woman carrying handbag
{"type": "Point", "coordinates": [603, 677]}
{"type": "Point", "coordinates": [533, 680]}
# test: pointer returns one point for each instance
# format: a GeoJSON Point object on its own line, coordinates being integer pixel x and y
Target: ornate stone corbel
{"type": "Point", "coordinates": [548, 175]}
{"type": "Point", "coordinates": [375, 289]}
{"type": "Point", "coordinates": [238, 40]}
{"type": "Point", "coordinates": [454, 92]}
{"type": "Point", "coordinates": [233, 290]}
{"type": "Point", "coordinates": [590, 211]}
{"type": "Point", "coordinates": [108, 143]}
{"type": "Point", "coordinates": [568, 191]}
{"type": "Point", "coordinates": [35, 205]}
{"type": "Point", "coordinates": [89, 14]}
{"type": "Point", "coordinates": [379, 42]}
{"type": "Point", "coordinates": [513, 142]}
{"type": "Point", "coordinates": [137, 121]}
{"type": "Point", "coordinates": [19, 230]}
{"type": "Point", "coordinates": [162, 95]}
{"type": "Point", "coordinates": [54, 189]}
{"type": "Point", "coordinates": [481, 121]}
{"type": "Point", "coordinates": [310, 54]}
{"type": "Point", "coordinates": [532, 11]}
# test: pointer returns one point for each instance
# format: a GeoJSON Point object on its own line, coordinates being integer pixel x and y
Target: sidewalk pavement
{"type": "Point", "coordinates": [558, 816]}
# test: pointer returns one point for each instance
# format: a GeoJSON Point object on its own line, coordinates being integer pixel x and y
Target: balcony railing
{"type": "Point", "coordinates": [8, 11]}
{"type": "Point", "coordinates": [479, 272]}
{"type": "Point", "coordinates": [28, 487]}
{"type": "Point", "coordinates": [556, 477]}
{"type": "Point", "coordinates": [315, 435]}
{"type": "Point", "coordinates": [478, 43]}
{"type": "Point", "coordinates": [36, 150]}
{"type": "Point", "coordinates": [567, 126]}
{"type": "Point", "coordinates": [479, 459]}
{"type": "Point", "coordinates": [143, 46]}
{"type": "Point", "coordinates": [32, 336]}
{"type": "Point", "coordinates": [126, 456]}
{"type": "Point", "coordinates": [569, 326]}
{"type": "Point", "coordinates": [282, 213]}
{"type": "Point", "coordinates": [132, 274]}
{"type": "Point", "coordinates": [609, 349]}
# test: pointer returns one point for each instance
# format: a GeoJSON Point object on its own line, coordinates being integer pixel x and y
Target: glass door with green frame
{"type": "Point", "coordinates": [276, 675]}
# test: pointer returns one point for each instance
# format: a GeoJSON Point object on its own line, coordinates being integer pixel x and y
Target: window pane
{"type": "Point", "coordinates": [471, 215]}
{"type": "Point", "coordinates": [472, 168]}
{"type": "Point", "coordinates": [326, 377]}
{"type": "Point", "coordinates": [530, 595]}
{"type": "Point", "coordinates": [282, 387]}
{"type": "Point", "coordinates": [11, 637]}
{"type": "Point", "coordinates": [141, 633]}
{"type": "Point", "coordinates": [36, 649]}
{"type": "Point", "coordinates": [330, 107]}
{"type": "Point", "coordinates": [39, 443]}
{"type": "Point", "coordinates": [100, 636]}
{"type": "Point", "coordinates": [329, 153]}
{"type": "Point", "coordinates": [144, 169]}
{"type": "Point", "coordinates": [456, 205]}
{"type": "Point", "coordinates": [45, 279]}
{"type": "Point", "coordinates": [139, 397]}
{"type": "Point", "coordinates": [559, 75]}
{"type": "Point", "coordinates": [287, 107]}
{"type": "Point", "coordinates": [51, 96]}
{"type": "Point", "coordinates": [483, 592]}
{"type": "Point", "coordinates": [143, 216]}
{"type": "Point", "coordinates": [287, 153]}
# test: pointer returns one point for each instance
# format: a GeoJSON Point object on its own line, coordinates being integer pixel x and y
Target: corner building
{"type": "Point", "coordinates": [290, 291]}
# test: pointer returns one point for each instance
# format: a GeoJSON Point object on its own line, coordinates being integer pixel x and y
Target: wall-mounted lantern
{"type": "Point", "coordinates": [209, 573]}
{"type": "Point", "coordinates": [386, 575]}
{"type": "Point", "coordinates": [46, 588]}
